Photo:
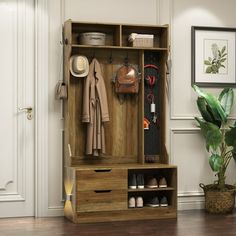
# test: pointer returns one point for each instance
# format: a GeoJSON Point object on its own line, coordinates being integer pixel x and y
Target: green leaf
{"type": "Point", "coordinates": [216, 108]}
{"type": "Point", "coordinates": [223, 55]}
{"type": "Point", "coordinates": [212, 134]}
{"type": "Point", "coordinates": [219, 52]}
{"type": "Point", "coordinates": [208, 69]}
{"type": "Point", "coordinates": [230, 137]}
{"type": "Point", "coordinates": [206, 62]}
{"type": "Point", "coordinates": [201, 103]}
{"type": "Point", "coordinates": [216, 122]}
{"type": "Point", "coordinates": [216, 162]}
{"type": "Point", "coordinates": [226, 99]}
{"type": "Point", "coordinates": [222, 65]}
{"type": "Point", "coordinates": [223, 49]}
{"type": "Point", "coordinates": [214, 68]}
{"type": "Point", "coordinates": [223, 60]}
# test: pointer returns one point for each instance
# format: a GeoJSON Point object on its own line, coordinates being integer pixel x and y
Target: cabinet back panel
{"type": "Point", "coordinates": [121, 132]}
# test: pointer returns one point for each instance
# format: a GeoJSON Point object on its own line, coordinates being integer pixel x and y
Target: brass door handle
{"type": "Point", "coordinates": [28, 111]}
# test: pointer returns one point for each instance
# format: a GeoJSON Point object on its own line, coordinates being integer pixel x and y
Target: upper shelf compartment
{"type": "Point", "coordinates": [116, 35]}
{"type": "Point", "coordinates": [111, 31]}
{"type": "Point", "coordinates": [159, 33]}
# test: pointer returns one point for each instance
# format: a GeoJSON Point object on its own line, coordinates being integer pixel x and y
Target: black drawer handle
{"type": "Point", "coordinates": [103, 170]}
{"type": "Point", "coordinates": [102, 191]}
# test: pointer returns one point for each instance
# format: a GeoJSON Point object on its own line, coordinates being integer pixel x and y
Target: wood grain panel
{"type": "Point", "coordinates": [103, 200]}
{"type": "Point", "coordinates": [130, 214]}
{"type": "Point", "coordinates": [121, 132]}
{"type": "Point", "coordinates": [101, 179]}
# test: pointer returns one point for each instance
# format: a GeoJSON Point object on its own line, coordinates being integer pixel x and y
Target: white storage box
{"type": "Point", "coordinates": [141, 40]}
{"type": "Point", "coordinates": [92, 38]}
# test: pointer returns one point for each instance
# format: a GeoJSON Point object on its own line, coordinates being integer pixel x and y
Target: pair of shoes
{"type": "Point", "coordinates": [162, 182]}
{"type": "Point", "coordinates": [136, 181]}
{"type": "Point", "coordinates": [164, 202]}
{"type": "Point", "coordinates": [154, 202]}
{"type": "Point", "coordinates": [152, 183]}
{"type": "Point", "coordinates": [138, 202]}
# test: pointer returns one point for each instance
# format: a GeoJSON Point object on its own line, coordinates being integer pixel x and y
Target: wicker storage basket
{"type": "Point", "coordinates": [141, 40]}
{"type": "Point", "coordinates": [219, 202]}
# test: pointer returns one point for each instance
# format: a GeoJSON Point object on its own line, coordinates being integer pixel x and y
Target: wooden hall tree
{"type": "Point", "coordinates": [97, 188]}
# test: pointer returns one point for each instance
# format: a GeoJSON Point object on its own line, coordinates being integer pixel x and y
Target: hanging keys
{"type": "Point", "coordinates": [154, 118]}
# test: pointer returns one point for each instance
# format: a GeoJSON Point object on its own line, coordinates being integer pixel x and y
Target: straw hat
{"type": "Point", "coordinates": [79, 66]}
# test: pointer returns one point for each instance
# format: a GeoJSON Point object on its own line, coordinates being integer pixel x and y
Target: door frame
{"type": "Point", "coordinates": [41, 108]}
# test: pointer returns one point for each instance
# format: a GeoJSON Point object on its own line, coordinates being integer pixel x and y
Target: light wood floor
{"type": "Point", "coordinates": [189, 223]}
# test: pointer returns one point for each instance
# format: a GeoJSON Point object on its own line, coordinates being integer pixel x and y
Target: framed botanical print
{"type": "Point", "coordinates": [213, 56]}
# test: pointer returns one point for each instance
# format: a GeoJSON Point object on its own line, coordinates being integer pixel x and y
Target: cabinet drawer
{"type": "Point", "coordinates": [101, 179]}
{"type": "Point", "coordinates": [101, 200]}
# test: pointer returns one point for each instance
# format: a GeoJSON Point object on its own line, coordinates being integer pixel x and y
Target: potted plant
{"type": "Point", "coordinates": [220, 139]}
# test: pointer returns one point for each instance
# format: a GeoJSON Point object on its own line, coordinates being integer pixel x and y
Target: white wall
{"type": "Point", "coordinates": [112, 11]}
{"type": "Point", "coordinates": [187, 146]}
{"type": "Point", "coordinates": [185, 143]}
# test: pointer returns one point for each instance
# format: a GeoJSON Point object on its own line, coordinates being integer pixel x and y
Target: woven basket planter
{"type": "Point", "coordinates": [219, 201]}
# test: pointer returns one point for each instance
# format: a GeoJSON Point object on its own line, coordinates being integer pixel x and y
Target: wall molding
{"type": "Point", "coordinates": [174, 131]}
{"type": "Point", "coordinates": [41, 108]}
{"type": "Point", "coordinates": [190, 203]}
{"type": "Point", "coordinates": [11, 197]}
{"type": "Point", "coordinates": [55, 211]}
{"type": "Point", "coordinates": [186, 199]}
{"type": "Point", "coordinates": [184, 117]}
{"type": "Point", "coordinates": [190, 194]}
{"type": "Point", "coordinates": [158, 11]}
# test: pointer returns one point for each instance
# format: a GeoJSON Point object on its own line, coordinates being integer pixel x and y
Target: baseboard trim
{"type": "Point", "coordinates": [55, 211]}
{"type": "Point", "coordinates": [191, 203]}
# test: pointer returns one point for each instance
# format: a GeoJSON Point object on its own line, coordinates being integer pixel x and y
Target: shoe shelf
{"type": "Point", "coordinates": [151, 189]}
{"type": "Point", "coordinates": [97, 188]}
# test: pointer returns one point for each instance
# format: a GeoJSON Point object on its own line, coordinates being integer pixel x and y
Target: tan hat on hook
{"type": "Point", "coordinates": [79, 66]}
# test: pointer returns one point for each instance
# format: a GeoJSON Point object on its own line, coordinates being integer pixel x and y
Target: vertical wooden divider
{"type": "Point", "coordinates": [141, 110]}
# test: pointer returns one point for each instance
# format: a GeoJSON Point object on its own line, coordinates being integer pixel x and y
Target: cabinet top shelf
{"type": "Point", "coordinates": [128, 166]}
{"type": "Point", "coordinates": [116, 24]}
{"type": "Point", "coordinates": [118, 47]}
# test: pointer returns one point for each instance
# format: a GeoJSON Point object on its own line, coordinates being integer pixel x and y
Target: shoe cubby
{"type": "Point", "coordinates": [152, 178]}
{"type": "Point", "coordinates": [97, 187]}
{"type": "Point", "coordinates": [156, 192]}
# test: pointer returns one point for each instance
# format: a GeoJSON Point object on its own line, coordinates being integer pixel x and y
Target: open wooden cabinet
{"type": "Point", "coordinates": [97, 188]}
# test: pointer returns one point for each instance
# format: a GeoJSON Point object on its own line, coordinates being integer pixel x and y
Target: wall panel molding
{"type": "Point", "coordinates": [174, 131]}
{"type": "Point", "coordinates": [41, 110]}
{"type": "Point", "coordinates": [187, 199]}
{"type": "Point", "coordinates": [189, 203]}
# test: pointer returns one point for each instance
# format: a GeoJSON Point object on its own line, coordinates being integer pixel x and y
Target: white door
{"type": "Point", "coordinates": [16, 91]}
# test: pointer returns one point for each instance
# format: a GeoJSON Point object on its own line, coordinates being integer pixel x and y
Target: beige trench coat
{"type": "Point", "coordinates": [95, 109]}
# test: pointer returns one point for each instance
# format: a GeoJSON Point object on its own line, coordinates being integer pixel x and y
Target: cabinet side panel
{"type": "Point", "coordinates": [66, 54]}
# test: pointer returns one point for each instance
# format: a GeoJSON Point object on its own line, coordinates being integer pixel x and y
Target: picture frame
{"type": "Point", "coordinates": [213, 61]}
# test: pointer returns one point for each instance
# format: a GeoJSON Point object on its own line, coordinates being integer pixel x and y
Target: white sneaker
{"type": "Point", "coordinates": [139, 202]}
{"type": "Point", "coordinates": [131, 202]}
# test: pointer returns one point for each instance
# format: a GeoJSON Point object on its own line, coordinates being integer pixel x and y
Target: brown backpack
{"type": "Point", "coordinates": [127, 80]}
